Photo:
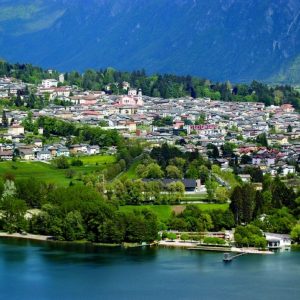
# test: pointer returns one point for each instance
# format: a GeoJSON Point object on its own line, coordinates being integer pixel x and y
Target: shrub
{"type": "Point", "coordinates": [172, 236]}
{"type": "Point", "coordinates": [76, 162]}
{"type": "Point", "coordinates": [184, 236]}
{"type": "Point", "coordinates": [214, 240]}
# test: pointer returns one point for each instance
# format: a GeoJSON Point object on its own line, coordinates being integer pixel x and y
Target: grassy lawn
{"type": "Point", "coordinates": [130, 173]}
{"type": "Point", "coordinates": [50, 174]}
{"type": "Point", "coordinates": [212, 206]}
{"type": "Point", "coordinates": [164, 212]}
{"type": "Point", "coordinates": [36, 170]}
{"type": "Point", "coordinates": [195, 197]}
{"type": "Point", "coordinates": [94, 159]}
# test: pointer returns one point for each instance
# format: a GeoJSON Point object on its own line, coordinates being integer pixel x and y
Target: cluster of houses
{"type": "Point", "coordinates": [39, 152]}
{"type": "Point", "coordinates": [133, 115]}
{"type": "Point", "coordinates": [10, 87]}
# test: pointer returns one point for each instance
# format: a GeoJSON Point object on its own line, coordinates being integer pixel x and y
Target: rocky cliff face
{"type": "Point", "coordinates": [220, 39]}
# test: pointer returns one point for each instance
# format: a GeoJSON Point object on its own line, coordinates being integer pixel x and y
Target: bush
{"type": "Point", "coordinates": [70, 173]}
{"type": "Point", "coordinates": [172, 236]}
{"type": "Point", "coordinates": [184, 236]}
{"type": "Point", "coordinates": [76, 162]}
{"type": "Point", "coordinates": [164, 235]}
{"type": "Point", "coordinates": [214, 241]}
{"type": "Point", "coordinates": [61, 163]}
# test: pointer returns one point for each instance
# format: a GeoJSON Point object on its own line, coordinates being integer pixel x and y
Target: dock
{"type": "Point", "coordinates": [228, 258]}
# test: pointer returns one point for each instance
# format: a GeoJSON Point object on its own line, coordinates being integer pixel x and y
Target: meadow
{"type": "Point", "coordinates": [47, 172]}
{"type": "Point", "coordinates": [164, 212]}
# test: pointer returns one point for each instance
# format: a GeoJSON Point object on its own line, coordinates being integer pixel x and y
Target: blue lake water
{"type": "Point", "coordinates": [38, 270]}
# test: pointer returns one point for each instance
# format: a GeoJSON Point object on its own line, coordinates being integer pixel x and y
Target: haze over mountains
{"type": "Point", "coordinates": [239, 40]}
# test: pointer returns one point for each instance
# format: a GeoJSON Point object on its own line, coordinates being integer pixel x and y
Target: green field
{"type": "Point", "coordinates": [164, 212]}
{"type": "Point", "coordinates": [131, 172]}
{"type": "Point", "coordinates": [48, 173]}
{"type": "Point", "coordinates": [96, 159]}
{"type": "Point", "coordinates": [195, 197]}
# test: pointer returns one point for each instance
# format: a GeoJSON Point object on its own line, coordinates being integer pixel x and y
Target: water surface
{"type": "Point", "coordinates": [40, 270]}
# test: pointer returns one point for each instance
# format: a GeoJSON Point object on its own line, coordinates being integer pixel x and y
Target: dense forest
{"type": "Point", "coordinates": [156, 85]}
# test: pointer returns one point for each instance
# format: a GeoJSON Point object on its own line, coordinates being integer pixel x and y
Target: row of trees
{"type": "Point", "coordinates": [137, 192]}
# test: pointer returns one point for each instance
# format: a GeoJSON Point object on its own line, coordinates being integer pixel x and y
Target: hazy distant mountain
{"type": "Point", "coordinates": [239, 40]}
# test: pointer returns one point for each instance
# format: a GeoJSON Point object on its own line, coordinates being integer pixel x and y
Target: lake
{"type": "Point", "coordinates": [44, 270]}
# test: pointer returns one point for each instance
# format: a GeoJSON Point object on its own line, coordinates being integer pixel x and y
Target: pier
{"type": "Point", "coordinates": [228, 258]}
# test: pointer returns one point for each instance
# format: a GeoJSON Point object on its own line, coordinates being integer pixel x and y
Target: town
{"type": "Point", "coordinates": [252, 133]}
{"type": "Point", "coordinates": [198, 164]}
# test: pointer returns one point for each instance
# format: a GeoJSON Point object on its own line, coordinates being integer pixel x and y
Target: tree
{"type": "Point", "coordinates": [222, 219]}
{"type": "Point", "coordinates": [176, 191]}
{"type": "Point", "coordinates": [4, 119]}
{"type": "Point", "coordinates": [243, 203]}
{"type": "Point", "coordinates": [211, 187]}
{"type": "Point", "coordinates": [222, 194]}
{"type": "Point", "coordinates": [213, 151]}
{"type": "Point", "coordinates": [295, 233]}
{"type": "Point", "coordinates": [153, 191]}
{"type": "Point", "coordinates": [228, 149]}
{"type": "Point", "coordinates": [282, 195]}
{"type": "Point", "coordinates": [192, 172]}
{"type": "Point", "coordinates": [134, 192]}
{"type": "Point", "coordinates": [32, 191]}
{"type": "Point", "coordinates": [184, 236]}
{"type": "Point", "coordinates": [179, 162]}
{"type": "Point", "coordinates": [114, 230]}
{"type": "Point", "coordinates": [73, 228]}
{"type": "Point", "coordinates": [173, 172]}
{"type": "Point", "coordinates": [201, 119]}
{"type": "Point", "coordinates": [153, 170]}
{"type": "Point", "coordinates": [141, 226]}
{"type": "Point", "coordinates": [13, 214]}
{"type": "Point", "coordinates": [249, 236]}
{"type": "Point", "coordinates": [18, 101]}
{"type": "Point", "coordinates": [9, 190]}
{"type": "Point", "coordinates": [262, 139]}
{"type": "Point", "coordinates": [289, 128]}
{"type": "Point", "coordinates": [203, 173]}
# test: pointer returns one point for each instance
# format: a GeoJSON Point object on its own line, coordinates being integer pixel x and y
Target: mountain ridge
{"type": "Point", "coordinates": [236, 40]}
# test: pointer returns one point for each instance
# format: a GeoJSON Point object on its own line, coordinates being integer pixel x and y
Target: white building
{"type": "Point", "coordinates": [95, 149]}
{"type": "Point", "coordinates": [44, 155]}
{"type": "Point", "coordinates": [61, 78]}
{"type": "Point", "coordinates": [288, 170]}
{"type": "Point", "coordinates": [47, 83]}
{"type": "Point", "coordinates": [15, 129]}
{"type": "Point", "coordinates": [278, 241]}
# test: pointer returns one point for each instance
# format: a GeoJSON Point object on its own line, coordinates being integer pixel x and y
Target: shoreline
{"type": "Point", "coordinates": [170, 244]}
{"type": "Point", "coordinates": [193, 246]}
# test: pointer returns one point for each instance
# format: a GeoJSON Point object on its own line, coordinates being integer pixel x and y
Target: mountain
{"type": "Point", "coordinates": [234, 40]}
